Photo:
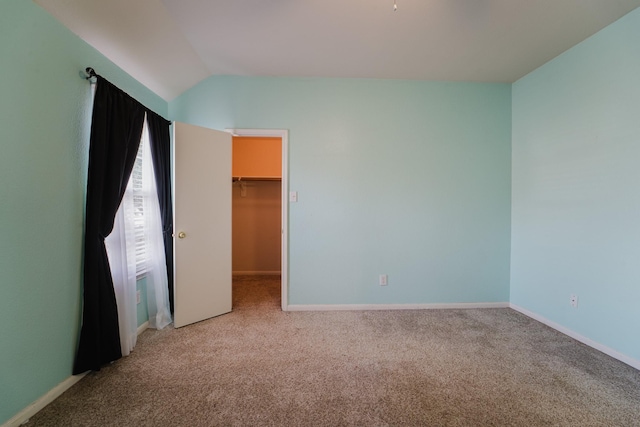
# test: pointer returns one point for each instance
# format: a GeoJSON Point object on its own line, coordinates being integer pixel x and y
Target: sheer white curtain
{"type": "Point", "coordinates": [157, 291]}
{"type": "Point", "coordinates": [121, 249]}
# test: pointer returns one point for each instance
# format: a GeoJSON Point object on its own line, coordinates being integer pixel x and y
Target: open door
{"type": "Point", "coordinates": [202, 223]}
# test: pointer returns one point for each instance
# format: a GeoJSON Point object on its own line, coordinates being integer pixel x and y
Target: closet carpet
{"type": "Point", "coordinates": [259, 366]}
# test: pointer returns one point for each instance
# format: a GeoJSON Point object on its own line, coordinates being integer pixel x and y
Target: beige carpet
{"type": "Point", "coordinates": [259, 366]}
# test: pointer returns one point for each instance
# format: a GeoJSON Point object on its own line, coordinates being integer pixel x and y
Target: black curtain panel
{"type": "Point", "coordinates": [161, 154]}
{"type": "Point", "coordinates": [116, 129]}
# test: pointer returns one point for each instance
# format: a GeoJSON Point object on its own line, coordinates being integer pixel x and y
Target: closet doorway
{"type": "Point", "coordinates": [259, 205]}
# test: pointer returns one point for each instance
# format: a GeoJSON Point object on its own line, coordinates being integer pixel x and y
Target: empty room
{"type": "Point", "coordinates": [445, 233]}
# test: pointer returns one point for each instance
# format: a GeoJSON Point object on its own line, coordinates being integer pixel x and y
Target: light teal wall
{"type": "Point", "coordinates": [142, 310]}
{"type": "Point", "coordinates": [44, 121]}
{"type": "Point", "coordinates": [405, 178]}
{"type": "Point", "coordinates": [576, 180]}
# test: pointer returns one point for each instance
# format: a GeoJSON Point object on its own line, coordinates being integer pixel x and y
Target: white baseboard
{"type": "Point", "coordinates": [256, 273]}
{"type": "Point", "coordinates": [143, 327]}
{"type": "Point", "coordinates": [24, 415]}
{"type": "Point", "coordinates": [361, 307]}
{"type": "Point", "coordinates": [576, 336]}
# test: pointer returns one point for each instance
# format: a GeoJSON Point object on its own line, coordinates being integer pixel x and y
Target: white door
{"type": "Point", "coordinates": [202, 223]}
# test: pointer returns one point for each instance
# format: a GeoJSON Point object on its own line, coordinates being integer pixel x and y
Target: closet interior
{"type": "Point", "coordinates": [257, 205]}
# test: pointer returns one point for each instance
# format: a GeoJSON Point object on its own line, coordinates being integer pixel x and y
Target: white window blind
{"type": "Point", "coordinates": [140, 190]}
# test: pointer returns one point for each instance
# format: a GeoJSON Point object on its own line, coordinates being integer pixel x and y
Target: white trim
{"type": "Point", "coordinates": [24, 415]}
{"type": "Point", "coordinates": [361, 307]}
{"type": "Point", "coordinates": [284, 134]}
{"type": "Point", "coordinates": [576, 336]}
{"type": "Point", "coordinates": [143, 327]}
{"type": "Point", "coordinates": [28, 412]}
{"type": "Point", "coordinates": [256, 273]}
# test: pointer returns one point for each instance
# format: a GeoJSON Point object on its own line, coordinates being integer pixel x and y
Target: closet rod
{"type": "Point", "coordinates": [255, 178]}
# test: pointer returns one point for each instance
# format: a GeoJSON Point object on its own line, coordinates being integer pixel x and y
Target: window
{"type": "Point", "coordinates": [137, 194]}
{"type": "Point", "coordinates": [141, 193]}
{"type": "Point", "coordinates": [135, 249]}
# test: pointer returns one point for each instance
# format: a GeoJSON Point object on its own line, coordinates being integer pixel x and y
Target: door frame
{"type": "Point", "coordinates": [284, 226]}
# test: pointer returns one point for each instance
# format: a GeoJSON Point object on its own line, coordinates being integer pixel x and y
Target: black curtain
{"type": "Point", "coordinates": [116, 129]}
{"type": "Point", "coordinates": [159, 140]}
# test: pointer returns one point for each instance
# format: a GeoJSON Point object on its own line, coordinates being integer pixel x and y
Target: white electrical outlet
{"type": "Point", "coordinates": [384, 280]}
{"type": "Point", "coordinates": [573, 300]}
{"type": "Point", "coordinates": [137, 297]}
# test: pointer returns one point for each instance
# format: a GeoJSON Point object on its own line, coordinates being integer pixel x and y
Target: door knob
{"type": "Point", "coordinates": [182, 235]}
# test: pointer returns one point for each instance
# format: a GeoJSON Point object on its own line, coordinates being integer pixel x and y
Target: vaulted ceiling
{"type": "Point", "coordinates": [170, 45]}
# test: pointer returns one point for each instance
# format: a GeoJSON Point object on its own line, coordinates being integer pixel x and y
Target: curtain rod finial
{"type": "Point", "coordinates": [88, 74]}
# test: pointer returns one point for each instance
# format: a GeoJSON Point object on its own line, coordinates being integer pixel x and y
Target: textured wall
{"type": "Point", "coordinates": [45, 119]}
{"type": "Point", "coordinates": [409, 179]}
{"type": "Point", "coordinates": [576, 204]}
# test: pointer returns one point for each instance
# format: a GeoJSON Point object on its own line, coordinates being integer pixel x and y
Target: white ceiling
{"type": "Point", "coordinates": [170, 45]}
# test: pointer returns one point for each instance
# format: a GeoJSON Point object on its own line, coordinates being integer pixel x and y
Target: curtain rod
{"type": "Point", "coordinates": [89, 73]}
